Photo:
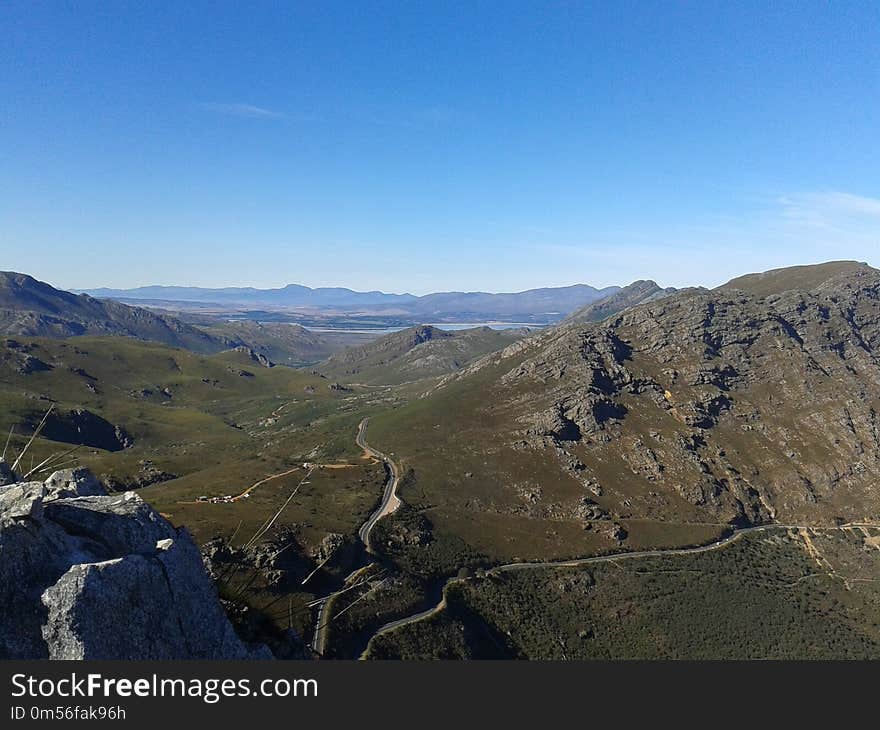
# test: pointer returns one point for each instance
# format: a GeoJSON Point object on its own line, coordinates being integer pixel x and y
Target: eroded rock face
{"type": "Point", "coordinates": [86, 575]}
{"type": "Point", "coordinates": [257, 357]}
{"type": "Point", "coordinates": [81, 426]}
{"type": "Point", "coordinates": [120, 524]}
{"type": "Point", "coordinates": [32, 557]}
{"type": "Point", "coordinates": [156, 601]}
{"type": "Point", "coordinates": [736, 405]}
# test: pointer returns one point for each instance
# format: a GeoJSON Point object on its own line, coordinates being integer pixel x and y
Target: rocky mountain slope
{"type": "Point", "coordinates": [416, 353]}
{"type": "Point", "coordinates": [33, 308]}
{"type": "Point", "coordinates": [87, 575]}
{"type": "Point", "coordinates": [704, 407]}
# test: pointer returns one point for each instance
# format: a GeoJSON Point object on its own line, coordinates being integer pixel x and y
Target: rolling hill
{"type": "Point", "coordinates": [816, 276]}
{"type": "Point", "coordinates": [179, 423]}
{"type": "Point", "coordinates": [281, 342]}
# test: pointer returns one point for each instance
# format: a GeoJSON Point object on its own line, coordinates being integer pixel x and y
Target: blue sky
{"type": "Point", "coordinates": [431, 146]}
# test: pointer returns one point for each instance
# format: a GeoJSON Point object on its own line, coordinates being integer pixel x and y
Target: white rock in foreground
{"type": "Point", "coordinates": [86, 575]}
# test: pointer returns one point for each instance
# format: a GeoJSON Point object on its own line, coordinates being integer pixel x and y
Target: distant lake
{"type": "Point", "coordinates": [449, 326]}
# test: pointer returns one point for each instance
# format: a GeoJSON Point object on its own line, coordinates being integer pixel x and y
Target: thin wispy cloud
{"type": "Point", "coordinates": [833, 218]}
{"type": "Point", "coordinates": [242, 110]}
{"type": "Point", "coordinates": [774, 231]}
{"type": "Point", "coordinates": [831, 209]}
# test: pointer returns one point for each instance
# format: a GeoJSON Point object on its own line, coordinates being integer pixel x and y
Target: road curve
{"type": "Point", "coordinates": [390, 501]}
{"type": "Point", "coordinates": [421, 616]}
{"type": "Point", "coordinates": [578, 562]}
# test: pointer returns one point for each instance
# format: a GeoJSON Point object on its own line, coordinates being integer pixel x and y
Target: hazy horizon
{"type": "Point", "coordinates": [487, 290]}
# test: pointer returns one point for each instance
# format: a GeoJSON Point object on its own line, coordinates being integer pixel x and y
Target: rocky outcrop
{"type": "Point", "coordinates": [253, 355]}
{"type": "Point", "coordinates": [74, 483]}
{"type": "Point", "coordinates": [147, 474]}
{"type": "Point", "coordinates": [753, 402]}
{"type": "Point", "coordinates": [636, 293]}
{"type": "Point", "coordinates": [133, 595]}
{"type": "Point", "coordinates": [87, 575]}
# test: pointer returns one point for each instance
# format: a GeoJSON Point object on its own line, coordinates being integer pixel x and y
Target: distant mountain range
{"type": "Point", "coordinates": [29, 307]}
{"type": "Point", "coordinates": [547, 304]}
{"type": "Point", "coordinates": [292, 295]}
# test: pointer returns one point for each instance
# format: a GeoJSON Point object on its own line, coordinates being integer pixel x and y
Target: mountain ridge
{"type": "Point", "coordinates": [639, 291]}
{"type": "Point", "coordinates": [32, 307]}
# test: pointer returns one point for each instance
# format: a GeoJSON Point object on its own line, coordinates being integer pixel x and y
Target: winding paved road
{"type": "Point", "coordinates": [578, 562]}
{"type": "Point", "coordinates": [390, 501]}
{"type": "Point", "coordinates": [389, 504]}
{"type": "Point", "coordinates": [319, 638]}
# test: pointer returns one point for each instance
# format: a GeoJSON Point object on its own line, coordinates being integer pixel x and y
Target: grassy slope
{"type": "Point", "coordinates": [453, 433]}
{"type": "Point", "coordinates": [215, 431]}
{"type": "Point", "coordinates": [793, 277]}
{"type": "Point", "coordinates": [281, 342]}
